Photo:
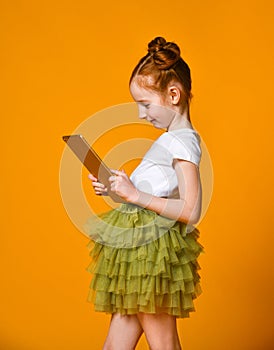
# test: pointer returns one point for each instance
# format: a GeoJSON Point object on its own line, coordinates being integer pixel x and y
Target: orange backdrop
{"type": "Point", "coordinates": [62, 61]}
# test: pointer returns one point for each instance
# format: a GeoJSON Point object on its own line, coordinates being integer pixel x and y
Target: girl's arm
{"type": "Point", "coordinates": [186, 209]}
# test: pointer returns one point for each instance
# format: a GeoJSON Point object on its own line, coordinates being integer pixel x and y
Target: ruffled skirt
{"type": "Point", "coordinates": [142, 262]}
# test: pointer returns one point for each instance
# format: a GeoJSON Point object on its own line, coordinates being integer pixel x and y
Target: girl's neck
{"type": "Point", "coordinates": [180, 121]}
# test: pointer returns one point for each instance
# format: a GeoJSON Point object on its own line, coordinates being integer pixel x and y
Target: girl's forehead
{"type": "Point", "coordinates": [141, 81]}
{"type": "Point", "coordinates": [140, 92]}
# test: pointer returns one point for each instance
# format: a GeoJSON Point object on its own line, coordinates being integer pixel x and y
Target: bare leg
{"type": "Point", "coordinates": [124, 332]}
{"type": "Point", "coordinates": [160, 331]}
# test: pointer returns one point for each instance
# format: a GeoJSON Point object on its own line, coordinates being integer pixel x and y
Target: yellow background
{"type": "Point", "coordinates": [62, 61]}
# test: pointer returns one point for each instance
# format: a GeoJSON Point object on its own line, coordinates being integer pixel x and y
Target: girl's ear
{"type": "Point", "coordinates": [174, 94]}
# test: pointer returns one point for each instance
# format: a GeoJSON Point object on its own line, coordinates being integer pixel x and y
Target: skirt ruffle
{"type": "Point", "coordinates": [142, 262]}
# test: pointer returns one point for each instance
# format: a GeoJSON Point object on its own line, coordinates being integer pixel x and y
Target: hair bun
{"type": "Point", "coordinates": [156, 45]}
{"type": "Point", "coordinates": [165, 54]}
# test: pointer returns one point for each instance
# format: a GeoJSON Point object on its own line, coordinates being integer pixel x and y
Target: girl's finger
{"type": "Point", "coordinates": [116, 172]}
{"type": "Point", "coordinates": [98, 184]}
{"type": "Point", "coordinates": [112, 178]}
{"type": "Point", "coordinates": [100, 190]}
{"type": "Point", "coordinates": [92, 177]}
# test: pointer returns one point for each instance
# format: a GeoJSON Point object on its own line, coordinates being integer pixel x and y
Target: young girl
{"type": "Point", "coordinates": [145, 253]}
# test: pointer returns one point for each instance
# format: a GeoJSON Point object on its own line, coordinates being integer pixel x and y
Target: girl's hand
{"type": "Point", "coordinates": [99, 188]}
{"type": "Point", "coordinates": [122, 186]}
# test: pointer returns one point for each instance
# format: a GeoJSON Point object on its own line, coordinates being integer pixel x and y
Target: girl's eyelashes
{"type": "Point", "coordinates": [146, 105]}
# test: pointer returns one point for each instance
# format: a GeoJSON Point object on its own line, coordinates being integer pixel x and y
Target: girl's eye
{"type": "Point", "coordinates": [146, 105]}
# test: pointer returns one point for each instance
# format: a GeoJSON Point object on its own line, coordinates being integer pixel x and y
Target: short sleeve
{"type": "Point", "coordinates": [186, 148]}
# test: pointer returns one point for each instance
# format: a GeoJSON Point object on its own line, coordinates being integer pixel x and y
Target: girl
{"type": "Point", "coordinates": [145, 253]}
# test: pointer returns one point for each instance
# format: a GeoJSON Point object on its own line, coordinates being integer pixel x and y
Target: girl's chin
{"type": "Point", "coordinates": [157, 126]}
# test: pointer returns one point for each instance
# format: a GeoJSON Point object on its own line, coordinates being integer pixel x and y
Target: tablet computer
{"type": "Point", "coordinates": [91, 160]}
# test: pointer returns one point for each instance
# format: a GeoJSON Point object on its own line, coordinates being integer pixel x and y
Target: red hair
{"type": "Point", "coordinates": [161, 66]}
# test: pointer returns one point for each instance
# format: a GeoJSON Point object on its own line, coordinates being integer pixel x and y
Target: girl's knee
{"type": "Point", "coordinates": [124, 333]}
{"type": "Point", "coordinates": [160, 331]}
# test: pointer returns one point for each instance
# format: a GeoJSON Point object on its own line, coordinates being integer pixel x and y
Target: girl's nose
{"type": "Point", "coordinates": [142, 115]}
{"type": "Point", "coordinates": [142, 112]}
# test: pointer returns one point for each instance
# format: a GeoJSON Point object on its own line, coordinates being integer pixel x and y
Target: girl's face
{"type": "Point", "coordinates": [151, 107]}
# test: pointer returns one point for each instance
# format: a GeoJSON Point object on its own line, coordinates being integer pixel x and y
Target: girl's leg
{"type": "Point", "coordinates": [124, 332]}
{"type": "Point", "coordinates": [160, 331]}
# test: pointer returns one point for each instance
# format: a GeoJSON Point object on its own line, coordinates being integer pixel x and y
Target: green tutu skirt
{"type": "Point", "coordinates": [142, 262]}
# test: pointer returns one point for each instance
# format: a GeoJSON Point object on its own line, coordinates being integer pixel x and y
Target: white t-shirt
{"type": "Point", "coordinates": [155, 174]}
